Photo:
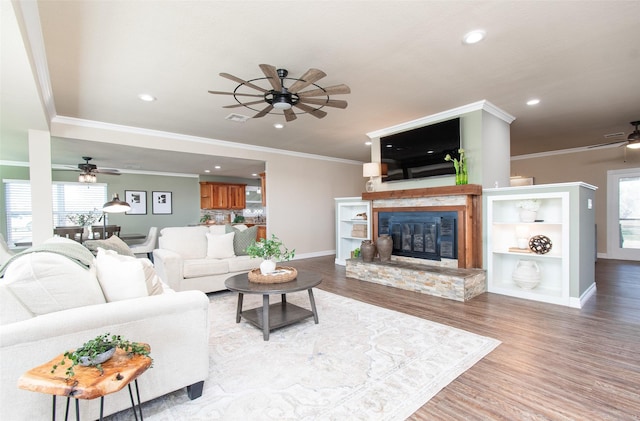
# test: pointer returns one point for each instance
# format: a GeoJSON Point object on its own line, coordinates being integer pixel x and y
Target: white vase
{"type": "Point", "coordinates": [267, 266]}
{"type": "Point", "coordinates": [527, 215]}
{"type": "Point", "coordinates": [526, 274]}
{"type": "Point", "coordinates": [86, 233]}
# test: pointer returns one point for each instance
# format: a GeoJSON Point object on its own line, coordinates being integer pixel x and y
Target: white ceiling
{"type": "Point", "coordinates": [402, 60]}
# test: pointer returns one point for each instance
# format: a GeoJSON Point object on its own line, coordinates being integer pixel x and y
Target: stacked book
{"type": "Point", "coordinates": [359, 230]}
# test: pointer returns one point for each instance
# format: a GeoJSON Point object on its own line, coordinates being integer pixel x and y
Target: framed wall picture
{"type": "Point", "coordinates": [138, 201]}
{"type": "Point", "coordinates": [161, 203]}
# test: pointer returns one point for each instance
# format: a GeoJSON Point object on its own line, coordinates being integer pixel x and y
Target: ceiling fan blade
{"type": "Point", "coordinates": [289, 115]}
{"type": "Point", "coordinates": [602, 145]}
{"type": "Point", "coordinates": [242, 81]}
{"type": "Point", "coordinates": [264, 111]}
{"type": "Point", "coordinates": [235, 94]}
{"type": "Point", "coordinates": [311, 110]}
{"type": "Point", "coordinates": [272, 75]}
{"type": "Point", "coordinates": [107, 171]}
{"type": "Point", "coordinates": [337, 103]}
{"type": "Point", "coordinates": [311, 76]}
{"type": "Point", "coordinates": [244, 104]}
{"type": "Point", "coordinates": [331, 90]}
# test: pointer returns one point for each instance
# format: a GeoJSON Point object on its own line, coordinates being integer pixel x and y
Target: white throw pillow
{"type": "Point", "coordinates": [49, 282]}
{"type": "Point", "coordinates": [220, 246]}
{"type": "Point", "coordinates": [152, 280]}
{"type": "Point", "coordinates": [121, 277]}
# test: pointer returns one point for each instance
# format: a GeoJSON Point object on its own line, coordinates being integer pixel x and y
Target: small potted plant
{"type": "Point", "coordinates": [271, 251]}
{"type": "Point", "coordinates": [97, 351]}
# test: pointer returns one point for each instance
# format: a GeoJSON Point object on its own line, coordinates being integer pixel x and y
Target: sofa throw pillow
{"type": "Point", "coordinates": [242, 239]}
{"type": "Point", "coordinates": [112, 243]}
{"type": "Point", "coordinates": [220, 246]}
{"type": "Point", "coordinates": [152, 280]}
{"type": "Point", "coordinates": [49, 282]}
{"type": "Point", "coordinates": [121, 277]}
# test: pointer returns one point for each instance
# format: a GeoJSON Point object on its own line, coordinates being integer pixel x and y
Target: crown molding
{"type": "Point", "coordinates": [563, 152]}
{"type": "Point", "coordinates": [483, 105]}
{"type": "Point", "coordinates": [98, 125]}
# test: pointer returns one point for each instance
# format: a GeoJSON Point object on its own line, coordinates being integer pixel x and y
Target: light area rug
{"type": "Point", "coordinates": [361, 362]}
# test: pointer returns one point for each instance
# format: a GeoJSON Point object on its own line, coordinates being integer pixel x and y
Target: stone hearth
{"type": "Point", "coordinates": [452, 283]}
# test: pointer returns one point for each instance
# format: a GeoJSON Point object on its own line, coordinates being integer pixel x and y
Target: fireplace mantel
{"type": "Point", "coordinates": [469, 208]}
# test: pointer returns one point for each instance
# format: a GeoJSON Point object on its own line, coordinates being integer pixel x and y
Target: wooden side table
{"type": "Point", "coordinates": [87, 383]}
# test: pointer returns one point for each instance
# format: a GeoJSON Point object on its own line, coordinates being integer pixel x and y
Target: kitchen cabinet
{"type": "Point", "coordinates": [262, 232]}
{"type": "Point", "coordinates": [222, 196]}
{"type": "Point", "coordinates": [352, 226]}
{"type": "Point", "coordinates": [566, 218]}
{"type": "Point", "coordinates": [263, 187]}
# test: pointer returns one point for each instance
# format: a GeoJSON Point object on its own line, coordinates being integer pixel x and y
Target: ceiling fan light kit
{"type": "Point", "coordinates": [285, 99]}
{"type": "Point", "coordinates": [634, 137]}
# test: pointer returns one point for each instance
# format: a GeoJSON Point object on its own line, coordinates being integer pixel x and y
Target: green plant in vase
{"type": "Point", "coordinates": [460, 165]}
{"type": "Point", "coordinates": [98, 350]}
{"type": "Point", "coordinates": [271, 250]}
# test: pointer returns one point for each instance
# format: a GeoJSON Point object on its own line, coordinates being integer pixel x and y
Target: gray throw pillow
{"type": "Point", "coordinates": [242, 239]}
{"type": "Point", "coordinates": [112, 243]}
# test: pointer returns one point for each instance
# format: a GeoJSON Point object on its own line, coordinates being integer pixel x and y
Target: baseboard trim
{"type": "Point", "coordinates": [579, 302]}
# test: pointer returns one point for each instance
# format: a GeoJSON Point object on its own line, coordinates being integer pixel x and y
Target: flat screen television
{"type": "Point", "coordinates": [420, 152]}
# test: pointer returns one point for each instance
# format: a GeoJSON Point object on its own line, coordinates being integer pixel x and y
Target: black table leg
{"type": "Point", "coordinates": [101, 407]}
{"type": "Point", "coordinates": [265, 317]}
{"type": "Point", "coordinates": [313, 306]}
{"type": "Point", "coordinates": [239, 309]}
{"type": "Point", "coordinates": [133, 403]}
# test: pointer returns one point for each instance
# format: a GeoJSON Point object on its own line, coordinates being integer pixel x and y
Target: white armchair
{"type": "Point", "coordinates": [148, 245]}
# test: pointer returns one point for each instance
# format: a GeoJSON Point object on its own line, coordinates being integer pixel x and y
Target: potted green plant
{"type": "Point", "coordinates": [97, 351]}
{"type": "Point", "coordinates": [204, 219]}
{"type": "Point", "coordinates": [83, 219]}
{"type": "Point", "coordinates": [271, 250]}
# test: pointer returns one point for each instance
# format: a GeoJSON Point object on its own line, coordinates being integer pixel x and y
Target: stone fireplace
{"type": "Point", "coordinates": [437, 237]}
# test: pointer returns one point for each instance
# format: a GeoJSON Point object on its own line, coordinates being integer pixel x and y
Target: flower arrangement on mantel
{"type": "Point", "coordinates": [529, 204]}
{"type": "Point", "coordinates": [271, 250]}
{"type": "Point", "coordinates": [460, 165]}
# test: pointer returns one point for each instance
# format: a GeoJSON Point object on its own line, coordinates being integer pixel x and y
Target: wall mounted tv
{"type": "Point", "coordinates": [420, 152]}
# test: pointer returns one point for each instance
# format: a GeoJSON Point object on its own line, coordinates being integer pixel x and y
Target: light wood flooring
{"type": "Point", "coordinates": [554, 363]}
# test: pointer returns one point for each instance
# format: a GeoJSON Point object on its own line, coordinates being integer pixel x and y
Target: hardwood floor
{"type": "Point", "coordinates": [554, 363]}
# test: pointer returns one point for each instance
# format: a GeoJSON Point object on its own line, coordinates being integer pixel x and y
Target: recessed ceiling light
{"type": "Point", "coordinates": [368, 143]}
{"type": "Point", "coordinates": [254, 175]}
{"type": "Point", "coordinates": [474, 36]}
{"type": "Point", "coordinates": [278, 125]}
{"type": "Point", "coordinates": [207, 170]}
{"type": "Point", "coordinates": [147, 97]}
{"type": "Point", "coordinates": [217, 167]}
{"type": "Point", "coordinates": [534, 101]}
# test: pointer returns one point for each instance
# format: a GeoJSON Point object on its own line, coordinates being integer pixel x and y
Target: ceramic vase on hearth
{"type": "Point", "coordinates": [384, 243]}
{"type": "Point", "coordinates": [367, 251]}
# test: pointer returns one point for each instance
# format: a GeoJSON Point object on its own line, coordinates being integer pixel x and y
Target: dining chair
{"type": "Point", "coordinates": [73, 233]}
{"type": "Point", "coordinates": [148, 245]}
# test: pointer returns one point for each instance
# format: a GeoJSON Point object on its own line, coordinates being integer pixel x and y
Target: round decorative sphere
{"type": "Point", "coordinates": [540, 244]}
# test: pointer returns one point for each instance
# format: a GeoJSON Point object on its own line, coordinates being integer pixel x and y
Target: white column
{"type": "Point", "coordinates": [40, 176]}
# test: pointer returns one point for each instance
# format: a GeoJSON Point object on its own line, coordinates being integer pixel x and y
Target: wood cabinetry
{"type": "Point", "coordinates": [263, 187]}
{"type": "Point", "coordinates": [222, 195]}
{"type": "Point", "coordinates": [262, 232]}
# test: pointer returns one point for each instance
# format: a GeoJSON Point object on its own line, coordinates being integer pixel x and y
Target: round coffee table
{"type": "Point", "coordinates": [269, 317]}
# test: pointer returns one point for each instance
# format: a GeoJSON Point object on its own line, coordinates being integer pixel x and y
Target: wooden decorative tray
{"type": "Point", "coordinates": [277, 278]}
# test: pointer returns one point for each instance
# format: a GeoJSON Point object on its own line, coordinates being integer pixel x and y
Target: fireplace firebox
{"type": "Point", "coordinates": [423, 235]}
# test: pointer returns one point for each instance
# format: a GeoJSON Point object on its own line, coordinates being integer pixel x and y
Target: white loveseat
{"type": "Point", "coordinates": [203, 257]}
{"type": "Point", "coordinates": [50, 303]}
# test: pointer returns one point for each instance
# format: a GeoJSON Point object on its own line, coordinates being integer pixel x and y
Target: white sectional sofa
{"type": "Point", "coordinates": [203, 257]}
{"type": "Point", "coordinates": [50, 304]}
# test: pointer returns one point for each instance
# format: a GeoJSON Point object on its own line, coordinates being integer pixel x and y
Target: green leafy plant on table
{"type": "Point", "coordinates": [83, 219]}
{"type": "Point", "coordinates": [270, 249]}
{"type": "Point", "coordinates": [87, 354]}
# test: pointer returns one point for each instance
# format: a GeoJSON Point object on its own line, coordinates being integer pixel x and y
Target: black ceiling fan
{"type": "Point", "coordinates": [88, 168]}
{"type": "Point", "coordinates": [283, 98]}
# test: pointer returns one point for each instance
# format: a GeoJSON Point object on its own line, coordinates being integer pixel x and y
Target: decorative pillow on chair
{"type": "Point", "coordinates": [121, 277]}
{"type": "Point", "coordinates": [220, 246]}
{"type": "Point", "coordinates": [242, 239]}
{"type": "Point", "coordinates": [112, 243]}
